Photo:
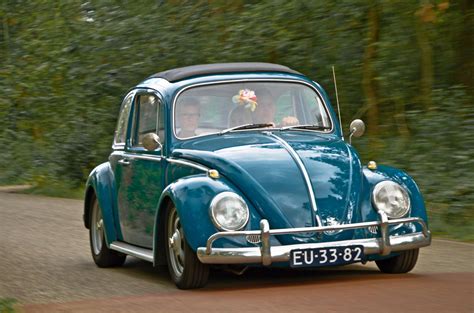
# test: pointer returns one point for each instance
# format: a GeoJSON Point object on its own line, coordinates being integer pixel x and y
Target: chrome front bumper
{"type": "Point", "coordinates": [266, 254]}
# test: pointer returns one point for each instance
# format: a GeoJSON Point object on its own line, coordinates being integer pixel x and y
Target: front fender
{"type": "Point", "coordinates": [192, 197]}
{"type": "Point", "coordinates": [101, 182]}
{"type": "Point", "coordinates": [373, 177]}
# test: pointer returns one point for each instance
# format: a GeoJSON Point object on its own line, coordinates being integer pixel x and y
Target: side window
{"type": "Point", "coordinates": [122, 124]}
{"type": "Point", "coordinates": [146, 118]}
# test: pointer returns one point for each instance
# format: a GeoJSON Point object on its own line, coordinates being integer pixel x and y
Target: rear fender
{"type": "Point", "coordinates": [101, 184]}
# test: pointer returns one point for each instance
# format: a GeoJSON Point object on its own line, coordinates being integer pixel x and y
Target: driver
{"type": "Point", "coordinates": [188, 118]}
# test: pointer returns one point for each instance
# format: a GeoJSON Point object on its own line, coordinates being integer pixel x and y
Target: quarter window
{"type": "Point", "coordinates": [122, 125]}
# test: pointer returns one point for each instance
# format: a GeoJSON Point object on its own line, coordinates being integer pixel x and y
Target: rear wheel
{"type": "Point", "coordinates": [103, 256]}
{"type": "Point", "coordinates": [402, 263]}
{"type": "Point", "coordinates": [185, 268]}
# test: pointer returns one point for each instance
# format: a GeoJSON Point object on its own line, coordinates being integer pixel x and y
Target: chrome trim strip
{"type": "Point", "coordinates": [159, 158]}
{"type": "Point", "coordinates": [383, 246]}
{"type": "Point", "coordinates": [138, 252]}
{"type": "Point", "coordinates": [188, 163]}
{"type": "Point", "coordinates": [133, 155]}
{"type": "Point", "coordinates": [144, 156]}
{"type": "Point", "coordinates": [282, 253]}
{"type": "Point", "coordinates": [118, 146]}
{"type": "Point", "coordinates": [286, 80]}
{"type": "Point", "coordinates": [299, 163]}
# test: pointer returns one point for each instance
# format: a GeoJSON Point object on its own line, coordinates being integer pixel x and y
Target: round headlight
{"type": "Point", "coordinates": [391, 198]}
{"type": "Point", "coordinates": [229, 211]}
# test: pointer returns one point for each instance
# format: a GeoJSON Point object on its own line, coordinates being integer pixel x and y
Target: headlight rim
{"type": "Point", "coordinates": [216, 200]}
{"type": "Point", "coordinates": [404, 190]}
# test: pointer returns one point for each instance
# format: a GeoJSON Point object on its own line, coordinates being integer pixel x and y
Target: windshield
{"type": "Point", "coordinates": [221, 108]}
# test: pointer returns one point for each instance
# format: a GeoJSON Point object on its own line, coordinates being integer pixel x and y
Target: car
{"type": "Point", "coordinates": [239, 165]}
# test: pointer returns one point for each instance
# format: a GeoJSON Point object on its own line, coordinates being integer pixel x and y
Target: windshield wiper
{"type": "Point", "coordinates": [246, 126]}
{"type": "Point", "coordinates": [308, 126]}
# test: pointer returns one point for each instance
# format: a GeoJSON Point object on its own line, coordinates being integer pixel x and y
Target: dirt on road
{"type": "Point", "coordinates": [45, 265]}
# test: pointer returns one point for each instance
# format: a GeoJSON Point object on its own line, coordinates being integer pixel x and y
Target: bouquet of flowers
{"type": "Point", "coordinates": [247, 98]}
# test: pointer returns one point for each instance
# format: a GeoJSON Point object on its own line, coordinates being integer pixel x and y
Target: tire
{"type": "Point", "coordinates": [402, 263]}
{"type": "Point", "coordinates": [184, 267]}
{"type": "Point", "coordinates": [102, 255]}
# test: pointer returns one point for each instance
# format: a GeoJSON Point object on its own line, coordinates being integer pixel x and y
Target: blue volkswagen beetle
{"type": "Point", "coordinates": [245, 164]}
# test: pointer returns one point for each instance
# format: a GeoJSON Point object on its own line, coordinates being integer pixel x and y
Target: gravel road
{"type": "Point", "coordinates": [45, 264]}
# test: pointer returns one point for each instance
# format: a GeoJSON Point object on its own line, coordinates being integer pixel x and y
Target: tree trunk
{"type": "Point", "coordinates": [425, 16]}
{"type": "Point", "coordinates": [465, 51]}
{"type": "Point", "coordinates": [368, 82]}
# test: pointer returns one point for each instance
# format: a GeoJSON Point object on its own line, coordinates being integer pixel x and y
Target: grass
{"type": "Point", "coordinates": [442, 225]}
{"type": "Point", "coordinates": [7, 305]}
{"type": "Point", "coordinates": [56, 190]}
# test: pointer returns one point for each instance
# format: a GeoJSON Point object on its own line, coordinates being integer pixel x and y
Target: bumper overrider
{"type": "Point", "coordinates": [267, 254]}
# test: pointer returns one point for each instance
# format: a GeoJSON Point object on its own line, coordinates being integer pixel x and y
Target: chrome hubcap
{"type": "Point", "coordinates": [100, 224]}
{"type": "Point", "coordinates": [176, 243]}
{"type": "Point", "coordinates": [97, 225]}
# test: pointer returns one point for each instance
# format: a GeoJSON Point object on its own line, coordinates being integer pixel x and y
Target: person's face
{"type": "Point", "coordinates": [189, 117]}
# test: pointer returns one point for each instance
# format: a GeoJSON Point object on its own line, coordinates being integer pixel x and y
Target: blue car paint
{"type": "Point", "coordinates": [285, 204]}
{"type": "Point", "coordinates": [355, 206]}
{"type": "Point", "coordinates": [102, 182]}
{"type": "Point", "coordinates": [192, 196]}
{"type": "Point", "coordinates": [239, 158]}
{"type": "Point", "coordinates": [389, 173]}
{"type": "Point", "coordinates": [368, 213]}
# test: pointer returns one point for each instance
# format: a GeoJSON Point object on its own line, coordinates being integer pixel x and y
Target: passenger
{"type": "Point", "coordinates": [264, 113]}
{"type": "Point", "coordinates": [266, 110]}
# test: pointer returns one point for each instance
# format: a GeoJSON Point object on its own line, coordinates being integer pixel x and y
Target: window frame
{"type": "Point", "coordinates": [135, 115]}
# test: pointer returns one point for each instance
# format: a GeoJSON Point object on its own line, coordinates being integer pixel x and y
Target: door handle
{"type": "Point", "coordinates": [124, 161]}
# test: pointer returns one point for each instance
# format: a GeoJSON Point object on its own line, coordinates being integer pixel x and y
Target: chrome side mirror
{"type": "Point", "coordinates": [151, 142]}
{"type": "Point", "coordinates": [357, 129]}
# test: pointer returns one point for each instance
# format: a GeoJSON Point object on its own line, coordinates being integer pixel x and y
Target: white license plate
{"type": "Point", "coordinates": [326, 256]}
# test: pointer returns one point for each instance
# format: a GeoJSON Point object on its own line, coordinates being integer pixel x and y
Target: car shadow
{"type": "Point", "coordinates": [261, 277]}
{"type": "Point", "coordinates": [144, 270]}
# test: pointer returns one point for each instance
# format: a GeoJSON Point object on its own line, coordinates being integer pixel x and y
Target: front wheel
{"type": "Point", "coordinates": [185, 269]}
{"type": "Point", "coordinates": [102, 255]}
{"type": "Point", "coordinates": [402, 263]}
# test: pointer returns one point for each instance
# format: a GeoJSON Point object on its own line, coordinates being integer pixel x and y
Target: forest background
{"type": "Point", "coordinates": [403, 66]}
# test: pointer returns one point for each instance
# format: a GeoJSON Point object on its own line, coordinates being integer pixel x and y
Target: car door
{"type": "Point", "coordinates": [139, 172]}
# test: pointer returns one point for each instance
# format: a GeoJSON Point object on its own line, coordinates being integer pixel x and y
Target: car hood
{"type": "Point", "coordinates": [263, 169]}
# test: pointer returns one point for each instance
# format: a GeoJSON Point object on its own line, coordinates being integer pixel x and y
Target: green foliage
{"type": "Point", "coordinates": [65, 65]}
{"type": "Point", "coordinates": [439, 155]}
{"type": "Point", "coordinates": [7, 305]}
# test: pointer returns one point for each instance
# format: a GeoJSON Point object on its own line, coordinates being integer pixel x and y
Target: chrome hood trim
{"type": "Point", "coordinates": [304, 172]}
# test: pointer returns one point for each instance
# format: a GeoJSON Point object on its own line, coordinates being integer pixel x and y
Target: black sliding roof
{"type": "Point", "coordinates": [221, 68]}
